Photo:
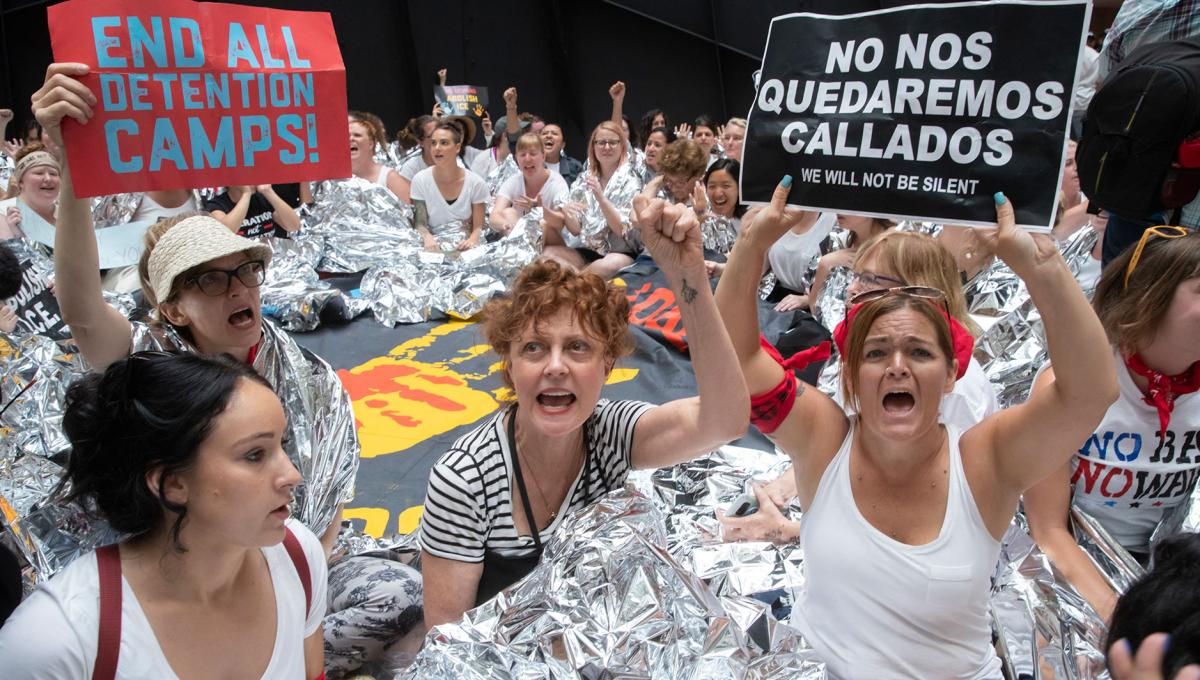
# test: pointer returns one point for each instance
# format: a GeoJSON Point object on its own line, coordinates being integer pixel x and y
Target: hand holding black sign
{"type": "Point", "coordinates": [877, 114]}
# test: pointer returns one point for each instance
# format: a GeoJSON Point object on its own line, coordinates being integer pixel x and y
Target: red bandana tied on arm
{"type": "Point", "coordinates": [1164, 388]}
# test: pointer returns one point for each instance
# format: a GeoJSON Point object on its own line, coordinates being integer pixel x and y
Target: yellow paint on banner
{"type": "Point", "coordinates": [620, 375]}
{"type": "Point", "coordinates": [403, 398]}
{"type": "Point", "coordinates": [376, 519]}
{"type": "Point", "coordinates": [410, 519]}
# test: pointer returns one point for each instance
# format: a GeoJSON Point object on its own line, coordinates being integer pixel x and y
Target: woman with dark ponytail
{"type": "Point", "coordinates": [183, 455]}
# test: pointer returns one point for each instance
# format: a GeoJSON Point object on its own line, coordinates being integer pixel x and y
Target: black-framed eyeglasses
{"type": "Point", "coordinates": [216, 281]}
{"type": "Point", "coordinates": [934, 295]}
{"type": "Point", "coordinates": [873, 280]}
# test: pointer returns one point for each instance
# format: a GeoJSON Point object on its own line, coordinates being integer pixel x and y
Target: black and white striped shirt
{"type": "Point", "coordinates": [468, 505]}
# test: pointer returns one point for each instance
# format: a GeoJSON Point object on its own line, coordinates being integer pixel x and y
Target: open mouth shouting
{"type": "Point", "coordinates": [555, 401]}
{"type": "Point", "coordinates": [242, 319]}
{"type": "Point", "coordinates": [898, 402]}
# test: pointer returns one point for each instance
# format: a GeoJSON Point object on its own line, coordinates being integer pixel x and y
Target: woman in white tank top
{"type": "Point", "coordinates": [1144, 457]}
{"type": "Point", "coordinates": [366, 131]}
{"type": "Point", "coordinates": [902, 514]}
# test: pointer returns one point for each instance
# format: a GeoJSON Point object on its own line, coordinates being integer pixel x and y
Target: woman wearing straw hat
{"type": "Point", "coordinates": [202, 282]}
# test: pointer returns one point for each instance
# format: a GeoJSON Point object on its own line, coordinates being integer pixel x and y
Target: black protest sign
{"type": "Point", "coordinates": [921, 112]}
{"type": "Point", "coordinates": [462, 100]}
{"type": "Point", "coordinates": [35, 306]}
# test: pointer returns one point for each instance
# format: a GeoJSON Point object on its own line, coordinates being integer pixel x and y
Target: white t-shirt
{"type": "Point", "coordinates": [483, 163]}
{"type": "Point", "coordinates": [1126, 475]}
{"type": "Point", "coordinates": [412, 166]}
{"type": "Point", "coordinates": [791, 256]}
{"type": "Point", "coordinates": [424, 188]}
{"type": "Point", "coordinates": [554, 189]}
{"type": "Point", "coordinates": [54, 633]}
{"type": "Point", "coordinates": [150, 210]}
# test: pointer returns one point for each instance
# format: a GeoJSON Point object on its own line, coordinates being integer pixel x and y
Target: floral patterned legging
{"type": "Point", "coordinates": [372, 603]}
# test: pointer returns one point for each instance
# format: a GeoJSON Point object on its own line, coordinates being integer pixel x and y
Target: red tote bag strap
{"type": "Point", "coordinates": [296, 552]}
{"type": "Point", "coordinates": [108, 647]}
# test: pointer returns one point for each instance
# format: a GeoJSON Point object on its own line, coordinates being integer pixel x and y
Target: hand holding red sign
{"type": "Point", "coordinates": [184, 94]}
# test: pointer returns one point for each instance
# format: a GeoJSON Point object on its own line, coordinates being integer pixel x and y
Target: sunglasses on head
{"type": "Point", "coordinates": [933, 295]}
{"type": "Point", "coordinates": [1161, 232]}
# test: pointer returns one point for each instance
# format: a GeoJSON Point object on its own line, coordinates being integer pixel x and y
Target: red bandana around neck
{"type": "Point", "coordinates": [1164, 388]}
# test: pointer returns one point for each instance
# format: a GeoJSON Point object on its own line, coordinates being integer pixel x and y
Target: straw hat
{"type": "Point", "coordinates": [192, 242]}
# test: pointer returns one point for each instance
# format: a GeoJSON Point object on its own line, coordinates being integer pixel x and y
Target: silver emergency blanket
{"type": "Point", "coordinates": [639, 586]}
{"type": "Point", "coordinates": [720, 233]}
{"type": "Point", "coordinates": [499, 175]}
{"type": "Point", "coordinates": [322, 440]}
{"type": "Point", "coordinates": [431, 285]}
{"type": "Point", "coordinates": [294, 294]}
{"type": "Point", "coordinates": [358, 225]}
{"type": "Point", "coordinates": [594, 231]}
{"type": "Point", "coordinates": [831, 303]}
{"type": "Point", "coordinates": [34, 377]}
{"type": "Point", "coordinates": [1184, 518]}
{"type": "Point", "coordinates": [1012, 346]}
{"type": "Point", "coordinates": [7, 167]}
{"type": "Point", "coordinates": [1044, 628]}
{"type": "Point", "coordinates": [114, 209]}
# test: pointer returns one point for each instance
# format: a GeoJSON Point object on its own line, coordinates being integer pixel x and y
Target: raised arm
{"type": "Point", "coordinates": [285, 215]}
{"type": "Point", "coordinates": [617, 92]}
{"type": "Point", "coordinates": [1028, 442]}
{"type": "Point", "coordinates": [234, 218]}
{"type": "Point", "coordinates": [815, 422]}
{"type": "Point", "coordinates": [684, 428]}
{"type": "Point", "coordinates": [103, 335]}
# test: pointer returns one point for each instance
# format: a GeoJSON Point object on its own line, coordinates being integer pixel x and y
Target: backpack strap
{"type": "Point", "coordinates": [296, 552]}
{"type": "Point", "coordinates": [108, 647]}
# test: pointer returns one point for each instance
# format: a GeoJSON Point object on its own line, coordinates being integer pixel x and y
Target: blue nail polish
{"type": "Point", "coordinates": [999, 198]}
{"type": "Point", "coordinates": [1128, 647]}
{"type": "Point", "coordinates": [1167, 644]}
{"type": "Point", "coordinates": [787, 182]}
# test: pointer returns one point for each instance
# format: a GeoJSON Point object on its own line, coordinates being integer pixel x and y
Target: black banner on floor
{"type": "Point", "coordinates": [920, 112]}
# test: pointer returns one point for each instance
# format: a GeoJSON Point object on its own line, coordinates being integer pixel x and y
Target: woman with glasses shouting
{"type": "Point", "coordinates": [1143, 459]}
{"type": "Point", "coordinates": [202, 282]}
{"type": "Point", "coordinates": [903, 514]}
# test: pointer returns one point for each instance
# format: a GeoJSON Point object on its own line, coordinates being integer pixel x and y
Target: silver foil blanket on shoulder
{"type": "Point", "coordinates": [34, 376]}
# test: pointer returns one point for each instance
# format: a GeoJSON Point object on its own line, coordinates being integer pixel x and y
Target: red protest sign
{"type": "Point", "coordinates": [202, 94]}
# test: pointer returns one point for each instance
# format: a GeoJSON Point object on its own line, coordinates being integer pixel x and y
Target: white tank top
{"type": "Point", "coordinates": [382, 178]}
{"type": "Point", "coordinates": [876, 608]}
{"type": "Point", "coordinates": [1126, 475]}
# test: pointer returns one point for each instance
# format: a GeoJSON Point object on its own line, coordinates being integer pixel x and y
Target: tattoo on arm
{"type": "Point", "coordinates": [420, 214]}
{"type": "Point", "coordinates": [687, 292]}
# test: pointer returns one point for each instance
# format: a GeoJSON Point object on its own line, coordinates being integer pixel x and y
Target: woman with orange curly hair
{"type": "Point", "coordinates": [502, 490]}
{"type": "Point", "coordinates": [367, 133]}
